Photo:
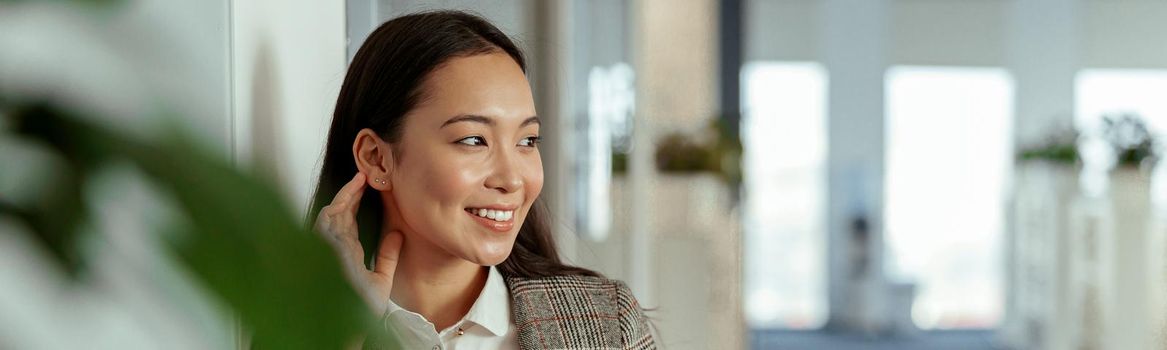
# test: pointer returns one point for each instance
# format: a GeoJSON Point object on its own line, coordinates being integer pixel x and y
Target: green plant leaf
{"type": "Point", "coordinates": [283, 281]}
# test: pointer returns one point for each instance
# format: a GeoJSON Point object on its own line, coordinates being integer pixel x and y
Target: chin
{"type": "Point", "coordinates": [491, 258]}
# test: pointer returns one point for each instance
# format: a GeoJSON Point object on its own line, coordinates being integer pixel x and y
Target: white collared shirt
{"type": "Point", "coordinates": [486, 326]}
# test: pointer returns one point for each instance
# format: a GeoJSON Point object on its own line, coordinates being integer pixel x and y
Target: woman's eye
{"type": "Point", "coordinates": [531, 141]}
{"type": "Point", "coordinates": [473, 141]}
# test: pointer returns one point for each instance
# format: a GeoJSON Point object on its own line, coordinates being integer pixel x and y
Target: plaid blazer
{"type": "Point", "coordinates": [577, 312]}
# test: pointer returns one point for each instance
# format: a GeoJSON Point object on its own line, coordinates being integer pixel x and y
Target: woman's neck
{"type": "Point", "coordinates": [435, 284]}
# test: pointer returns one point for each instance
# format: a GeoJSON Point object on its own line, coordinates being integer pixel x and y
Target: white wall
{"type": "Point", "coordinates": [1125, 33]}
{"type": "Point", "coordinates": [516, 18]}
{"type": "Point", "coordinates": [946, 32]}
{"type": "Point", "coordinates": [287, 64]}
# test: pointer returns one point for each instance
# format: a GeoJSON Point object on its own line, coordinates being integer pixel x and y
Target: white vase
{"type": "Point", "coordinates": [1132, 316]}
{"type": "Point", "coordinates": [1038, 254]}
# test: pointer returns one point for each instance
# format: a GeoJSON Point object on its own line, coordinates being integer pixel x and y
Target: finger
{"type": "Point", "coordinates": [388, 253]}
{"type": "Point", "coordinates": [350, 193]}
{"type": "Point", "coordinates": [353, 258]}
{"type": "Point", "coordinates": [342, 236]}
{"type": "Point", "coordinates": [323, 223]}
{"type": "Point", "coordinates": [350, 255]}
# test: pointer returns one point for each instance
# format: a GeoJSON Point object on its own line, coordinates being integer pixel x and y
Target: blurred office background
{"type": "Point", "coordinates": [766, 174]}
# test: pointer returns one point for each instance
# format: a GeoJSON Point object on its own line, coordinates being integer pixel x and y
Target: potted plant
{"type": "Point", "coordinates": [1059, 147]}
{"type": "Point", "coordinates": [714, 149]}
{"type": "Point", "coordinates": [1133, 143]}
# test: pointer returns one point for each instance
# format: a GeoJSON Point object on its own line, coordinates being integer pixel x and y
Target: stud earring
{"type": "Point", "coordinates": [379, 180]}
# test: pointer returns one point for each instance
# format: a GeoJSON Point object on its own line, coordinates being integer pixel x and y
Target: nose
{"type": "Point", "coordinates": [506, 176]}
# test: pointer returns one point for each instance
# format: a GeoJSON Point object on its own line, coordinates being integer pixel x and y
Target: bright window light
{"type": "Point", "coordinates": [1101, 92]}
{"type": "Point", "coordinates": [949, 157]}
{"type": "Point", "coordinates": [784, 137]}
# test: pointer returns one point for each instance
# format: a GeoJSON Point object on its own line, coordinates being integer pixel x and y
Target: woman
{"type": "Point", "coordinates": [433, 158]}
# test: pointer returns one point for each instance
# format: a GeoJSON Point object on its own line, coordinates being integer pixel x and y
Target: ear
{"type": "Point", "coordinates": [374, 158]}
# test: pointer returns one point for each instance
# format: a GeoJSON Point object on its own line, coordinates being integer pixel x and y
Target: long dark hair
{"type": "Point", "coordinates": [383, 83]}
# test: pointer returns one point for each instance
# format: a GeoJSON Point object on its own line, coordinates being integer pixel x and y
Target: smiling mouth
{"type": "Point", "coordinates": [492, 214]}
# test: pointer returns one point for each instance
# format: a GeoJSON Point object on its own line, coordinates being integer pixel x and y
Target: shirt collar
{"type": "Point", "coordinates": [491, 310]}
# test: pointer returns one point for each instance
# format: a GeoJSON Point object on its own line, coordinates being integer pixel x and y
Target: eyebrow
{"type": "Point", "coordinates": [485, 120]}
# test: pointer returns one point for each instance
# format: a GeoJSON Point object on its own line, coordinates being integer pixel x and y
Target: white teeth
{"type": "Point", "coordinates": [496, 215]}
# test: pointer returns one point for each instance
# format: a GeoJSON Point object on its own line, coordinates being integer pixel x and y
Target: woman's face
{"type": "Point", "coordinates": [468, 168]}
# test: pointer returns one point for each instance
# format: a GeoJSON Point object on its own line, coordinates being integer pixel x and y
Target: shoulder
{"type": "Point", "coordinates": [601, 294]}
{"type": "Point", "coordinates": [579, 305]}
{"type": "Point", "coordinates": [564, 283]}
{"type": "Point", "coordinates": [571, 293]}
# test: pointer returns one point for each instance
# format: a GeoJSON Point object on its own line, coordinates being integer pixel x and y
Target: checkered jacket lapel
{"type": "Point", "coordinates": [577, 312]}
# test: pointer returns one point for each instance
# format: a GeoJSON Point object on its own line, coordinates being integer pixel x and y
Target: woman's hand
{"type": "Point", "coordinates": [337, 222]}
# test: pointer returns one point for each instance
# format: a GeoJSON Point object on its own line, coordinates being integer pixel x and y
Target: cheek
{"type": "Point", "coordinates": [452, 184]}
{"type": "Point", "coordinates": [428, 190]}
{"type": "Point", "coordinates": [534, 178]}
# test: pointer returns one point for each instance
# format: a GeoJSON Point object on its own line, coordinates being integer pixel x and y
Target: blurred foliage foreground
{"type": "Point", "coordinates": [235, 235]}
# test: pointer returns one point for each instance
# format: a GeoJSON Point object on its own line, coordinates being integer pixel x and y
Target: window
{"type": "Point", "coordinates": [948, 161]}
{"type": "Point", "coordinates": [784, 140]}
